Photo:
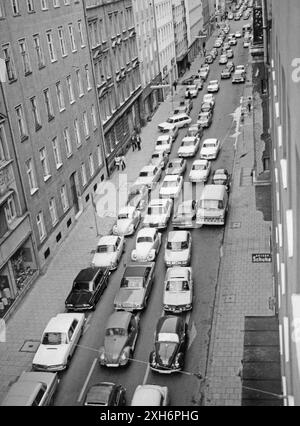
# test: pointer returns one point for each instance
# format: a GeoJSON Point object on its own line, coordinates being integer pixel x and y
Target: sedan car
{"type": "Point", "coordinates": [205, 119]}
{"type": "Point", "coordinates": [105, 394]}
{"type": "Point", "coordinates": [149, 175]}
{"type": "Point", "coordinates": [209, 59]}
{"type": "Point", "coordinates": [232, 41]}
{"type": "Point", "coordinates": [170, 129]}
{"type": "Point", "coordinates": [191, 91]}
{"type": "Point", "coordinates": [135, 288]}
{"type": "Point", "coordinates": [178, 290]}
{"type": "Point", "coordinates": [208, 97]}
{"type": "Point", "coordinates": [222, 177]}
{"type": "Point", "coordinates": [176, 166]}
{"type": "Point", "coordinates": [238, 34]}
{"type": "Point", "coordinates": [170, 345]}
{"type": "Point", "coordinates": [159, 159]}
{"type": "Point", "coordinates": [151, 396]}
{"type": "Point", "coordinates": [204, 73]}
{"type": "Point", "coordinates": [158, 213]}
{"type": "Point", "coordinates": [238, 77]}
{"type": "Point", "coordinates": [195, 130]}
{"type": "Point", "coordinates": [185, 214]}
{"type": "Point", "coordinates": [87, 289]}
{"type": "Point", "coordinates": [109, 251]}
{"type": "Point", "coordinates": [128, 221]}
{"type": "Point", "coordinates": [189, 80]}
{"type": "Point", "coordinates": [213, 86]}
{"type": "Point", "coordinates": [147, 245]}
{"type": "Point", "coordinates": [138, 196]}
{"type": "Point", "coordinates": [225, 73]}
{"type": "Point", "coordinates": [223, 59]}
{"type": "Point", "coordinates": [171, 186]}
{"type": "Point", "coordinates": [229, 53]}
{"type": "Point", "coordinates": [164, 143]}
{"type": "Point", "coordinates": [207, 107]}
{"type": "Point", "coordinates": [58, 343]}
{"type": "Point", "coordinates": [189, 146]}
{"type": "Point", "coordinates": [210, 149]}
{"type": "Point", "coordinates": [200, 171]}
{"type": "Point", "coordinates": [218, 42]}
{"type": "Point", "coordinates": [178, 248]}
{"type": "Point", "coordinates": [121, 333]}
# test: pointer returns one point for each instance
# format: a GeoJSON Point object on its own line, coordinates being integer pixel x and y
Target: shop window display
{"type": "Point", "coordinates": [23, 266]}
{"type": "Point", "coordinates": [6, 297]}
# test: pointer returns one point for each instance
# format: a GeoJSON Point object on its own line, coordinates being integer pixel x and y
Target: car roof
{"type": "Point", "coordinates": [147, 395]}
{"type": "Point", "coordinates": [177, 236]}
{"type": "Point", "coordinates": [100, 393]}
{"type": "Point", "coordinates": [119, 319]}
{"type": "Point", "coordinates": [168, 324]}
{"type": "Point", "coordinates": [163, 137]}
{"type": "Point", "coordinates": [108, 239]}
{"type": "Point", "coordinates": [220, 171]}
{"type": "Point", "coordinates": [87, 274]}
{"type": "Point", "coordinates": [158, 202]}
{"type": "Point", "coordinates": [215, 191]}
{"type": "Point", "coordinates": [146, 232]}
{"type": "Point", "coordinates": [189, 138]}
{"type": "Point", "coordinates": [171, 178]}
{"type": "Point", "coordinates": [136, 270]}
{"type": "Point", "coordinates": [61, 323]}
{"type": "Point", "coordinates": [177, 272]}
{"type": "Point", "coordinates": [210, 140]}
{"type": "Point", "coordinates": [185, 203]}
{"type": "Point", "coordinates": [127, 209]}
{"type": "Point", "coordinates": [213, 81]}
{"type": "Point", "coordinates": [148, 168]}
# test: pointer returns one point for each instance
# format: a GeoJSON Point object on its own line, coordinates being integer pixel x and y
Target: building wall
{"type": "Point", "coordinates": [285, 128]}
{"type": "Point", "coordinates": [180, 33]}
{"type": "Point", "coordinates": [195, 25]}
{"type": "Point", "coordinates": [61, 36]}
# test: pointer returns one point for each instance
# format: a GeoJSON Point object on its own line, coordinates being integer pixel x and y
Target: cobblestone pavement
{"type": "Point", "coordinates": [244, 287]}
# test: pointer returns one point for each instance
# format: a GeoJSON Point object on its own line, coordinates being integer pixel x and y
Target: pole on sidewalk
{"type": "Point", "coordinates": [95, 215]}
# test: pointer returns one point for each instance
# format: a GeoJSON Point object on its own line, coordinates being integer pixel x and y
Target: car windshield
{"type": "Point", "coordinates": [124, 216]}
{"type": "Point", "coordinates": [177, 245]}
{"type": "Point", "coordinates": [145, 174]}
{"type": "Point", "coordinates": [188, 143]}
{"type": "Point", "coordinates": [199, 167]}
{"type": "Point", "coordinates": [177, 285]}
{"type": "Point", "coordinates": [168, 337]}
{"type": "Point", "coordinates": [220, 177]}
{"type": "Point", "coordinates": [203, 115]}
{"type": "Point", "coordinates": [183, 209]}
{"type": "Point", "coordinates": [155, 156]}
{"type": "Point", "coordinates": [115, 332]}
{"type": "Point", "coordinates": [170, 184]}
{"type": "Point", "coordinates": [132, 282]}
{"type": "Point", "coordinates": [144, 240]}
{"type": "Point", "coordinates": [213, 82]}
{"type": "Point", "coordinates": [54, 339]}
{"type": "Point", "coordinates": [81, 286]}
{"type": "Point", "coordinates": [160, 142]}
{"type": "Point", "coordinates": [170, 120]}
{"type": "Point", "coordinates": [207, 98]}
{"type": "Point", "coordinates": [211, 204]}
{"type": "Point", "coordinates": [134, 191]}
{"type": "Point", "coordinates": [209, 145]}
{"type": "Point", "coordinates": [205, 107]}
{"type": "Point", "coordinates": [156, 210]}
{"type": "Point", "coordinates": [106, 248]}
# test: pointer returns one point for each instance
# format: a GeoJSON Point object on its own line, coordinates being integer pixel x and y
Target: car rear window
{"type": "Point", "coordinates": [177, 245]}
{"type": "Point", "coordinates": [105, 249]}
{"type": "Point", "coordinates": [111, 332]}
{"type": "Point", "coordinates": [132, 282]}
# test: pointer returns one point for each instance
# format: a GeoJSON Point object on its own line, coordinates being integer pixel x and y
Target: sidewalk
{"type": "Point", "coordinates": [244, 287]}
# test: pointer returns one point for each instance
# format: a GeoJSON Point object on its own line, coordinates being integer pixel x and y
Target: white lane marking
{"type": "Point", "coordinates": [87, 380]}
{"type": "Point", "coordinates": [146, 374]}
{"type": "Point", "coordinates": [221, 251]}
{"type": "Point", "coordinates": [192, 335]}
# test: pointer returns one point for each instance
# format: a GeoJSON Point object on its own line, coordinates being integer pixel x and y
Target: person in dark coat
{"type": "Point", "coordinates": [133, 141]}
{"type": "Point", "coordinates": [138, 142]}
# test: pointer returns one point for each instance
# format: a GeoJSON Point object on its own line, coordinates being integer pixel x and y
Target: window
{"type": "Point", "coordinates": [56, 152]}
{"type": "Point", "coordinates": [10, 209]}
{"type": "Point", "coordinates": [44, 163]}
{"type": "Point", "coordinates": [62, 42]}
{"type": "Point", "coordinates": [52, 52]}
{"type": "Point", "coordinates": [70, 89]}
{"type": "Point", "coordinates": [88, 79]}
{"type": "Point", "coordinates": [83, 174]}
{"type": "Point", "coordinates": [94, 118]}
{"type": "Point", "coordinates": [79, 83]}
{"type": "Point", "coordinates": [31, 177]}
{"type": "Point", "coordinates": [64, 198]}
{"type": "Point", "coordinates": [99, 155]}
{"type": "Point", "coordinates": [15, 7]}
{"type": "Point", "coordinates": [86, 125]}
{"type": "Point", "coordinates": [80, 29]}
{"type": "Point", "coordinates": [2, 145]}
{"type": "Point", "coordinates": [21, 122]}
{"type": "Point", "coordinates": [72, 38]}
{"type": "Point", "coordinates": [9, 63]}
{"type": "Point", "coordinates": [39, 51]}
{"type": "Point", "coordinates": [36, 115]}
{"type": "Point", "coordinates": [25, 56]}
{"type": "Point", "coordinates": [77, 132]}
{"type": "Point", "coordinates": [67, 142]}
{"type": "Point", "coordinates": [44, 4]}
{"type": "Point", "coordinates": [60, 97]}
{"type": "Point", "coordinates": [53, 211]}
{"type": "Point", "coordinates": [48, 104]}
{"type": "Point", "coordinates": [30, 6]}
{"type": "Point", "coordinates": [41, 226]}
{"type": "Point", "coordinates": [91, 164]}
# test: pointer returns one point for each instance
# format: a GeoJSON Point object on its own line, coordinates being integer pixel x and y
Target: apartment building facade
{"type": "Point", "coordinates": [144, 22]}
{"type": "Point", "coordinates": [180, 33]}
{"type": "Point", "coordinates": [52, 106]}
{"type": "Point", "coordinates": [195, 27]}
{"type": "Point", "coordinates": [113, 47]}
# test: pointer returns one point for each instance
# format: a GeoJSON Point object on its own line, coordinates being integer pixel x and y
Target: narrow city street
{"type": "Point", "coordinates": [184, 387]}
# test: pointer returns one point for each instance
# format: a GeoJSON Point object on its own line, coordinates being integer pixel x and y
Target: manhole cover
{"type": "Point", "coordinates": [235, 225]}
{"type": "Point", "coordinates": [229, 299]}
{"type": "Point", "coordinates": [30, 346]}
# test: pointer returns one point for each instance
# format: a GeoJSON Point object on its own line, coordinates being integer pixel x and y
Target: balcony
{"type": "Point", "coordinates": [6, 177]}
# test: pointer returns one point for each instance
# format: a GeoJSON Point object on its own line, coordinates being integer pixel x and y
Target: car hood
{"type": "Point", "coordinates": [144, 180]}
{"type": "Point", "coordinates": [127, 298]}
{"type": "Point", "coordinates": [176, 256]}
{"type": "Point", "coordinates": [166, 353]}
{"type": "Point", "coordinates": [151, 218]}
{"type": "Point", "coordinates": [177, 299]}
{"type": "Point", "coordinates": [104, 259]}
{"type": "Point", "coordinates": [182, 218]}
{"type": "Point", "coordinates": [143, 249]}
{"type": "Point", "coordinates": [208, 151]}
{"type": "Point", "coordinates": [174, 171]}
{"type": "Point", "coordinates": [113, 347]}
{"type": "Point", "coordinates": [198, 174]}
{"type": "Point", "coordinates": [164, 124]}
{"type": "Point", "coordinates": [79, 298]}
{"type": "Point", "coordinates": [49, 355]}
{"type": "Point", "coordinates": [166, 191]}
{"type": "Point", "coordinates": [123, 225]}
{"type": "Point", "coordinates": [187, 149]}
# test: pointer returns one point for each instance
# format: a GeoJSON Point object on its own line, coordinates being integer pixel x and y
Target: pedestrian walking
{"type": "Point", "coordinates": [138, 142]}
{"type": "Point", "coordinates": [133, 141]}
{"type": "Point", "coordinates": [188, 65]}
{"type": "Point", "coordinates": [189, 96]}
{"type": "Point", "coordinates": [123, 164]}
{"type": "Point", "coordinates": [249, 105]}
{"type": "Point", "coordinates": [118, 162]}
{"type": "Point", "coordinates": [175, 85]}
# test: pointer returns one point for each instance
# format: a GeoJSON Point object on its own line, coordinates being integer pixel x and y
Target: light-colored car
{"type": "Point", "coordinates": [179, 120]}
{"type": "Point", "coordinates": [159, 159]}
{"type": "Point", "coordinates": [59, 341]}
{"type": "Point", "coordinates": [204, 73]}
{"type": "Point", "coordinates": [232, 41]}
{"type": "Point", "coordinates": [171, 186]}
{"type": "Point", "coordinates": [238, 77]}
{"type": "Point", "coordinates": [238, 34]}
{"type": "Point", "coordinates": [178, 290]}
{"type": "Point", "coordinates": [149, 175]}
{"type": "Point", "coordinates": [158, 213]}
{"type": "Point", "coordinates": [209, 97]}
{"type": "Point", "coordinates": [206, 107]}
{"type": "Point", "coordinates": [241, 68]}
{"type": "Point", "coordinates": [226, 46]}
{"type": "Point", "coordinates": [176, 166]}
{"type": "Point", "coordinates": [138, 196]}
{"type": "Point", "coordinates": [193, 90]}
{"type": "Point", "coordinates": [205, 119]}
{"type": "Point", "coordinates": [210, 149]}
{"type": "Point", "coordinates": [225, 73]}
{"type": "Point", "coordinates": [128, 221]}
{"type": "Point", "coordinates": [109, 251]}
{"type": "Point", "coordinates": [218, 42]}
{"type": "Point", "coordinates": [229, 53]}
{"type": "Point", "coordinates": [147, 245]}
{"type": "Point", "coordinates": [223, 59]}
{"type": "Point", "coordinates": [171, 129]}
{"type": "Point", "coordinates": [185, 214]}
{"type": "Point", "coordinates": [213, 86]}
{"type": "Point", "coordinates": [200, 171]}
{"type": "Point", "coordinates": [178, 248]}
{"type": "Point", "coordinates": [150, 396]}
{"type": "Point", "coordinates": [189, 146]}
{"type": "Point", "coordinates": [195, 130]}
{"type": "Point", "coordinates": [246, 43]}
{"type": "Point", "coordinates": [164, 143]}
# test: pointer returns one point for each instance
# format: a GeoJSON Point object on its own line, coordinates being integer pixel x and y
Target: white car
{"type": "Point", "coordinates": [241, 68]}
{"type": "Point", "coordinates": [229, 53]}
{"type": "Point", "coordinates": [204, 72]}
{"type": "Point", "coordinates": [147, 245]}
{"type": "Point", "coordinates": [209, 98]}
{"type": "Point", "coordinates": [218, 42]}
{"type": "Point", "coordinates": [151, 396]}
{"type": "Point", "coordinates": [109, 251]}
{"type": "Point", "coordinates": [178, 248]}
{"type": "Point", "coordinates": [179, 120]}
{"type": "Point", "coordinates": [128, 221]}
{"type": "Point", "coordinates": [193, 90]}
{"type": "Point", "coordinates": [158, 213]}
{"type": "Point", "coordinates": [59, 342]}
{"type": "Point", "coordinates": [200, 171]}
{"type": "Point", "coordinates": [149, 175]}
{"type": "Point", "coordinates": [210, 149]}
{"type": "Point", "coordinates": [164, 143]}
{"type": "Point", "coordinates": [171, 186]}
{"type": "Point", "coordinates": [189, 146]}
{"type": "Point", "coordinates": [213, 86]}
{"type": "Point", "coordinates": [178, 291]}
{"type": "Point", "coordinates": [171, 129]}
{"type": "Point", "coordinates": [238, 34]}
{"type": "Point", "coordinates": [223, 59]}
{"type": "Point", "coordinates": [159, 159]}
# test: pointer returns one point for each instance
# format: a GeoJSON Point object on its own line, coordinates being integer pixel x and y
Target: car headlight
{"type": "Point", "coordinates": [153, 359]}
{"type": "Point", "coordinates": [113, 264]}
{"type": "Point", "coordinates": [176, 362]}
{"type": "Point", "coordinates": [133, 255]}
{"type": "Point", "coordinates": [115, 229]}
{"type": "Point", "coordinates": [130, 228]}
{"type": "Point", "coordinates": [124, 357]}
{"type": "Point", "coordinates": [188, 306]}
{"type": "Point", "coordinates": [151, 255]}
{"type": "Point", "coordinates": [102, 355]}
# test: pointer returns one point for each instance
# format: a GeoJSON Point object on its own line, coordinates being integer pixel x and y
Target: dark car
{"type": "Point", "coordinates": [87, 289]}
{"type": "Point", "coordinates": [138, 196]}
{"type": "Point", "coordinates": [222, 177]}
{"type": "Point", "coordinates": [170, 345]}
{"type": "Point", "coordinates": [105, 394]}
{"type": "Point", "coordinates": [209, 59]}
{"type": "Point", "coordinates": [189, 81]}
{"type": "Point", "coordinates": [135, 287]}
